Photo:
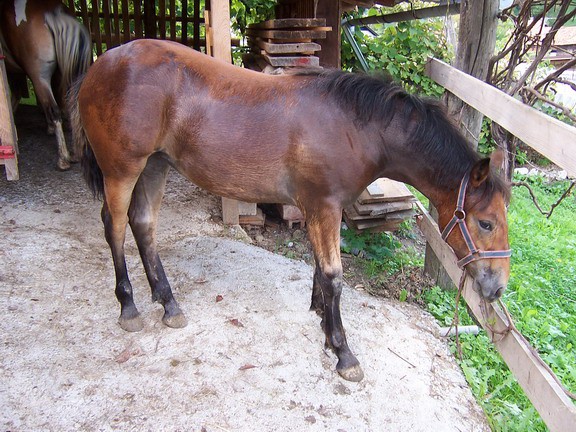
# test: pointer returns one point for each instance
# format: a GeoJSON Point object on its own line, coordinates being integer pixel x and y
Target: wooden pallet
{"type": "Point", "coordinates": [287, 42]}
{"type": "Point", "coordinates": [382, 206]}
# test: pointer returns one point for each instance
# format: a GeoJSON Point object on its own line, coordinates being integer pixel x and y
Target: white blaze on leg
{"type": "Point", "coordinates": [20, 11]}
{"type": "Point", "coordinates": [63, 155]}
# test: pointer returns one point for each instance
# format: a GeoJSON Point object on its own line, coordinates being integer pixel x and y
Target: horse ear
{"type": "Point", "coordinates": [480, 172]}
{"type": "Point", "coordinates": [497, 160]}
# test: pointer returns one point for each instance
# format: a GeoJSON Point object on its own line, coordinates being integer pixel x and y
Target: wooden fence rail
{"type": "Point", "coordinates": [556, 141]}
{"type": "Point", "coordinates": [546, 135]}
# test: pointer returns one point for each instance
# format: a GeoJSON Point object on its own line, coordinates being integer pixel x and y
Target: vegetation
{"type": "Point", "coordinates": [401, 49]}
{"type": "Point", "coordinates": [540, 297]}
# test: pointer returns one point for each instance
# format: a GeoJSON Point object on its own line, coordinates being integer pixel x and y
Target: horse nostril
{"type": "Point", "coordinates": [496, 294]}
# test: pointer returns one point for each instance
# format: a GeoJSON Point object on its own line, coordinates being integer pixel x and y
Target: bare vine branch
{"type": "Point", "coordinates": [547, 214]}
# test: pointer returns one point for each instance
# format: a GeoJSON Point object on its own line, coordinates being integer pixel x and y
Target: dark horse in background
{"type": "Point", "coordinates": [41, 40]}
{"type": "Point", "coordinates": [313, 141]}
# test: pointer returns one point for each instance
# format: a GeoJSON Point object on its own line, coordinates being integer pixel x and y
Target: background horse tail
{"type": "Point", "coordinates": [73, 46]}
{"type": "Point", "coordinates": [90, 168]}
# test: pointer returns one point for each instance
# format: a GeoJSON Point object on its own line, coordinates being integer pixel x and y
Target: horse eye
{"type": "Point", "coordinates": [485, 225]}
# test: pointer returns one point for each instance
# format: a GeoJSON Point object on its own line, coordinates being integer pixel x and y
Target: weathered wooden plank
{"type": "Point", "coordinates": [286, 23]}
{"type": "Point", "coordinates": [287, 34]}
{"type": "Point", "coordinates": [374, 225]}
{"type": "Point", "coordinates": [401, 215]}
{"type": "Point", "coordinates": [96, 37]}
{"type": "Point", "coordinates": [7, 129]}
{"type": "Point", "coordinates": [287, 48]}
{"type": "Point", "coordinates": [385, 190]}
{"type": "Point", "coordinates": [306, 61]}
{"type": "Point", "coordinates": [381, 208]}
{"type": "Point", "coordinates": [555, 407]}
{"type": "Point", "coordinates": [125, 22]}
{"type": "Point", "coordinates": [545, 134]}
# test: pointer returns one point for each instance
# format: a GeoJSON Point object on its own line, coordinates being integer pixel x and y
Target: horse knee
{"type": "Point", "coordinates": [331, 282]}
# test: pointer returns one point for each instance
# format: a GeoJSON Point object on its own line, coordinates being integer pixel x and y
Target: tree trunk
{"type": "Point", "coordinates": [476, 44]}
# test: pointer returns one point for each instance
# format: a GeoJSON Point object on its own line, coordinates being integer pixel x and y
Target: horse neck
{"type": "Point", "coordinates": [436, 176]}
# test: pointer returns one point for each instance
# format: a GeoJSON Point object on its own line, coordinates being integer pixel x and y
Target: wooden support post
{"type": "Point", "coordinates": [476, 43]}
{"type": "Point", "coordinates": [330, 53]}
{"type": "Point", "coordinates": [150, 19]}
{"type": "Point", "coordinates": [8, 137]}
{"type": "Point", "coordinates": [221, 41]}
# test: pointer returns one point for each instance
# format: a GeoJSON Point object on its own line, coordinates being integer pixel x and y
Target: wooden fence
{"type": "Point", "coordinates": [554, 140]}
{"type": "Point", "coordinates": [115, 22]}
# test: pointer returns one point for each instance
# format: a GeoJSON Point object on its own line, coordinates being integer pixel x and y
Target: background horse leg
{"type": "Point", "coordinates": [45, 97]}
{"type": "Point", "coordinates": [143, 215]}
{"type": "Point", "coordinates": [324, 233]}
{"type": "Point", "coordinates": [115, 219]}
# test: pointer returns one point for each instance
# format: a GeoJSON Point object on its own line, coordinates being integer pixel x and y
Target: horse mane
{"type": "Point", "coordinates": [379, 98]}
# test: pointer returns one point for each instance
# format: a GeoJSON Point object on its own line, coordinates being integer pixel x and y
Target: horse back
{"type": "Point", "coordinates": [232, 131]}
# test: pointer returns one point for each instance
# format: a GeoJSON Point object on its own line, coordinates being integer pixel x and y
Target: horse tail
{"type": "Point", "coordinates": [91, 170]}
{"type": "Point", "coordinates": [72, 44]}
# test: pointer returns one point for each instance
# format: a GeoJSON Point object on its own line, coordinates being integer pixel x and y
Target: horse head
{"type": "Point", "coordinates": [481, 242]}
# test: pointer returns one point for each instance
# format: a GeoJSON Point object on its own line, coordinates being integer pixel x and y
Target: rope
{"type": "Point", "coordinates": [511, 327]}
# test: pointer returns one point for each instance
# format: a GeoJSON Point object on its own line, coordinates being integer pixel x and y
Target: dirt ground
{"type": "Point", "coordinates": [251, 357]}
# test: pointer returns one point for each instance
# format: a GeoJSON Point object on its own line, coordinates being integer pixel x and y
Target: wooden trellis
{"type": "Point", "coordinates": [115, 22]}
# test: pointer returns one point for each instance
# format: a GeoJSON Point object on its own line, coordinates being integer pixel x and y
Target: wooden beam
{"type": "Point", "coordinates": [545, 134]}
{"type": "Point", "coordinates": [332, 11]}
{"type": "Point", "coordinates": [7, 129]}
{"type": "Point", "coordinates": [287, 23]}
{"type": "Point", "coordinates": [540, 385]}
{"type": "Point", "coordinates": [220, 25]}
{"type": "Point", "coordinates": [219, 22]}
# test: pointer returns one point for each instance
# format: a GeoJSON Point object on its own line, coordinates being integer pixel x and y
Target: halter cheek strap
{"type": "Point", "coordinates": [459, 219]}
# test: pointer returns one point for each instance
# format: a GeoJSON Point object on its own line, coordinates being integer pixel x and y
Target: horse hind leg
{"type": "Point", "coordinates": [324, 233]}
{"type": "Point", "coordinates": [115, 218]}
{"type": "Point", "coordinates": [143, 216]}
{"type": "Point", "coordinates": [45, 97]}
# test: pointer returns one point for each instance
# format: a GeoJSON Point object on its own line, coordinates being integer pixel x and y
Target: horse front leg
{"type": "Point", "coordinates": [143, 215]}
{"type": "Point", "coordinates": [324, 233]}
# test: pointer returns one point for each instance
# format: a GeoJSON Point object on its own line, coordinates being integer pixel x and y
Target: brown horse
{"type": "Point", "coordinates": [41, 40]}
{"type": "Point", "coordinates": [312, 141]}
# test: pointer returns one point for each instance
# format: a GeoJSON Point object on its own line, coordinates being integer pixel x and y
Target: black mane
{"type": "Point", "coordinates": [438, 139]}
{"type": "Point", "coordinates": [379, 98]}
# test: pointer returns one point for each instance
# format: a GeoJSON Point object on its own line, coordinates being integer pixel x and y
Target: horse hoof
{"type": "Point", "coordinates": [175, 321]}
{"type": "Point", "coordinates": [63, 165]}
{"type": "Point", "coordinates": [353, 373]}
{"type": "Point", "coordinates": [133, 324]}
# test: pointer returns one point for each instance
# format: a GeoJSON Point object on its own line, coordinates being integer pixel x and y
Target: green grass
{"type": "Point", "coordinates": [541, 297]}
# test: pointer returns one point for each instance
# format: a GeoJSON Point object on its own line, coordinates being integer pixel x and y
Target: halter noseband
{"type": "Point", "coordinates": [459, 219]}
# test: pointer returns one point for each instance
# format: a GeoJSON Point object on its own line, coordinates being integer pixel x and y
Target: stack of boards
{"type": "Point", "coordinates": [287, 42]}
{"type": "Point", "coordinates": [383, 206]}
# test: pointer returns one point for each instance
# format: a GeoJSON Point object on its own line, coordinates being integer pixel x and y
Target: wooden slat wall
{"type": "Point", "coordinates": [115, 22]}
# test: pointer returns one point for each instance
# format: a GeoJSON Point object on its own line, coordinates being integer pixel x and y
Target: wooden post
{"type": "Point", "coordinates": [330, 54]}
{"type": "Point", "coordinates": [7, 129]}
{"type": "Point", "coordinates": [221, 41]}
{"type": "Point", "coordinates": [150, 19]}
{"type": "Point", "coordinates": [476, 44]}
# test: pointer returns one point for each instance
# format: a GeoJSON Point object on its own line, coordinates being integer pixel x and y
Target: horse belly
{"type": "Point", "coordinates": [246, 177]}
